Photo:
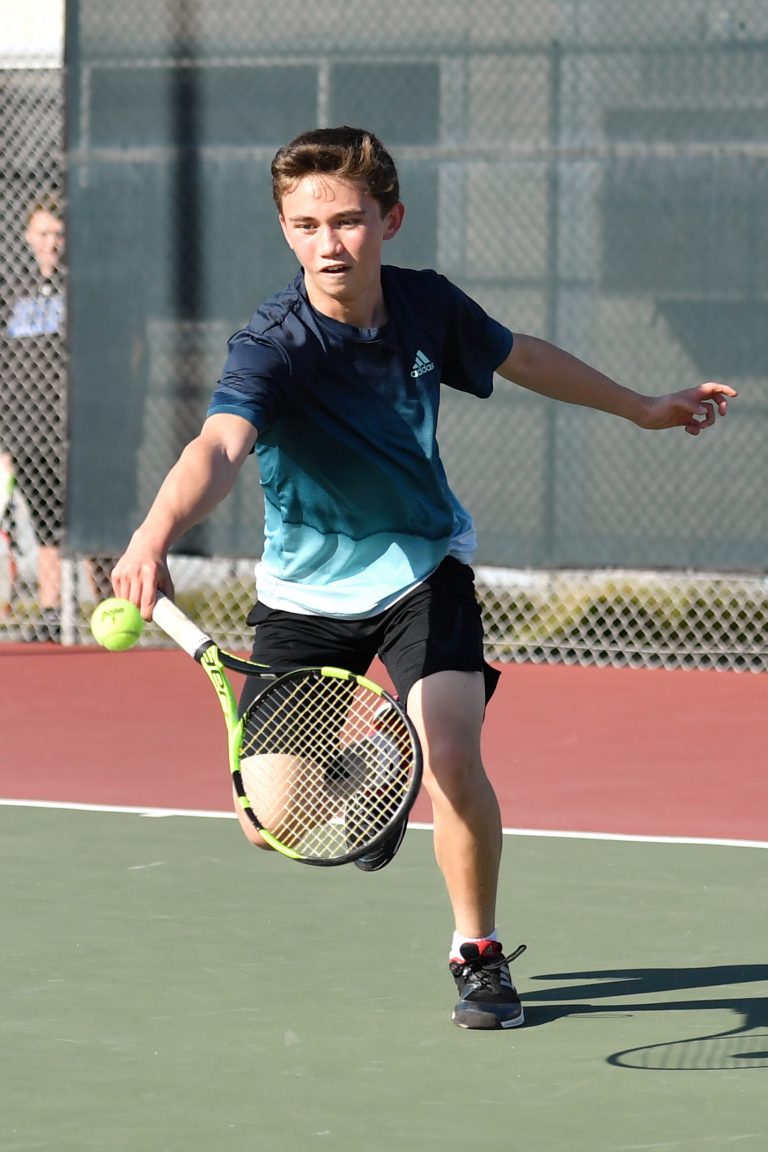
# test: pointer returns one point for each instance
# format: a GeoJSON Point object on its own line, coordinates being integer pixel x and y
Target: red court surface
{"type": "Point", "coordinates": [624, 751]}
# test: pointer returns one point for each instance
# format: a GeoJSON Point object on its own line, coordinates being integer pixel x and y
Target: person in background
{"type": "Point", "coordinates": [31, 395]}
{"type": "Point", "coordinates": [32, 398]}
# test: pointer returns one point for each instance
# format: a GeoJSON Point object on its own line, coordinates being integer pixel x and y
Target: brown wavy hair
{"type": "Point", "coordinates": [346, 153]}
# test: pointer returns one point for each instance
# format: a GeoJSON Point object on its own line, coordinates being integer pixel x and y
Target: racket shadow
{"type": "Point", "coordinates": [744, 1046]}
{"type": "Point", "coordinates": [741, 1048]}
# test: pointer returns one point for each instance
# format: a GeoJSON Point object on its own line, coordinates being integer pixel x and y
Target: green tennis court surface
{"type": "Point", "coordinates": [165, 987]}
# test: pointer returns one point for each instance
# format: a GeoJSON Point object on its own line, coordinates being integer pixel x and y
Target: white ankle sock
{"type": "Point", "coordinates": [458, 940]}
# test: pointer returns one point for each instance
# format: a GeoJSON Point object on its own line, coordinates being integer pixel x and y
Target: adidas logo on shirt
{"type": "Point", "coordinates": [421, 365]}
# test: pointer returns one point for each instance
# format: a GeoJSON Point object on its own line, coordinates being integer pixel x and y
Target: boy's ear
{"type": "Point", "coordinates": [394, 220]}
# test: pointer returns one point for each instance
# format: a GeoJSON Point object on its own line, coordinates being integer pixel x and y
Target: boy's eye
{"type": "Point", "coordinates": [342, 222]}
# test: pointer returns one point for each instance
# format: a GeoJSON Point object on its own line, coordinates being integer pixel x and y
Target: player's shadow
{"type": "Point", "coordinates": [583, 994]}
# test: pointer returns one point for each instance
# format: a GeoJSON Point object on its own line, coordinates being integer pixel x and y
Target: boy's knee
{"type": "Point", "coordinates": [248, 828]}
{"type": "Point", "coordinates": [256, 840]}
{"type": "Point", "coordinates": [455, 773]}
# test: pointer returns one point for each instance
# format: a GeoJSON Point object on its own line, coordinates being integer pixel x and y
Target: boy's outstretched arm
{"type": "Point", "coordinates": [200, 479]}
{"type": "Point", "coordinates": [543, 368]}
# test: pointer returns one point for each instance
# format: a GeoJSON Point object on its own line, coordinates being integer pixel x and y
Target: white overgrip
{"type": "Point", "coordinates": [178, 626]}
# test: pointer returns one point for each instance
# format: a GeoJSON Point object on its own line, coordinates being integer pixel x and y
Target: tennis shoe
{"type": "Point", "coordinates": [379, 857]}
{"type": "Point", "coordinates": [488, 997]}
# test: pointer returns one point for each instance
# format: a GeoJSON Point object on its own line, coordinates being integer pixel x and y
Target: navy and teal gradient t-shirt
{"type": "Point", "coordinates": [357, 505]}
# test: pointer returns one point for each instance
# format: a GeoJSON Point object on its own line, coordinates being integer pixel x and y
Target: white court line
{"type": "Point", "coordinates": [125, 809]}
{"type": "Point", "coordinates": [159, 813]}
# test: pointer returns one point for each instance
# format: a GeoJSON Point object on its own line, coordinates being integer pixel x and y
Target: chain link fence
{"type": "Point", "coordinates": [592, 174]}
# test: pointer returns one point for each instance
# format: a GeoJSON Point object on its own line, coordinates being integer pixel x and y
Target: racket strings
{"type": "Point", "coordinates": [323, 769]}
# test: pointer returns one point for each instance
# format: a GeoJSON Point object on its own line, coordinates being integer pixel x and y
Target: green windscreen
{"type": "Point", "coordinates": [598, 179]}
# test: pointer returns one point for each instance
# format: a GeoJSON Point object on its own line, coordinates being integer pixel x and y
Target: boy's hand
{"type": "Point", "coordinates": [693, 409]}
{"type": "Point", "coordinates": [138, 576]}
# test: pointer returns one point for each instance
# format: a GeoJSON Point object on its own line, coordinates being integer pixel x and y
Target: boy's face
{"type": "Point", "coordinates": [336, 230]}
{"type": "Point", "coordinates": [45, 236]}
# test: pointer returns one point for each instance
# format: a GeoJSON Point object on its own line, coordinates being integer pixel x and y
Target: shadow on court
{"type": "Point", "coordinates": [743, 1047]}
{"type": "Point", "coordinates": [578, 997]}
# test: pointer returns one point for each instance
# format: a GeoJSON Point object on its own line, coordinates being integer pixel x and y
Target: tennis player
{"type": "Point", "coordinates": [335, 383]}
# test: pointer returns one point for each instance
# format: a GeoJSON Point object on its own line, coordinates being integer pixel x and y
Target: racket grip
{"type": "Point", "coordinates": [179, 627]}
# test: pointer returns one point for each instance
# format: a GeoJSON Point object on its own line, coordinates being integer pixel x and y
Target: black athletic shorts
{"type": "Point", "coordinates": [437, 627]}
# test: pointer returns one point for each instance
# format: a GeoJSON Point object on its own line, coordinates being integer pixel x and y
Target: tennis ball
{"type": "Point", "coordinates": [116, 624]}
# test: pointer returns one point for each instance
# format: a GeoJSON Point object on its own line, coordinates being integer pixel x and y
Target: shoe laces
{"type": "Point", "coordinates": [486, 963]}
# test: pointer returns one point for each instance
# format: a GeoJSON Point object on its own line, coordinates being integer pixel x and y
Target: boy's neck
{"type": "Point", "coordinates": [364, 311]}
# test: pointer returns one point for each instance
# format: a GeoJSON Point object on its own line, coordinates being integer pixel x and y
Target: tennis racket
{"type": "Point", "coordinates": [325, 764]}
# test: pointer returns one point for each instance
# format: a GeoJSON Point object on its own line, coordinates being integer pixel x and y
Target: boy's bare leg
{"type": "Point", "coordinates": [447, 709]}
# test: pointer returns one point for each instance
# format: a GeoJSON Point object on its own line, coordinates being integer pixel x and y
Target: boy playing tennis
{"type": "Point", "coordinates": [335, 383]}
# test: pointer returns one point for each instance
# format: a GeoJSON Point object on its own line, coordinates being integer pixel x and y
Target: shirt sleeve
{"type": "Point", "coordinates": [475, 346]}
{"type": "Point", "coordinates": [253, 381]}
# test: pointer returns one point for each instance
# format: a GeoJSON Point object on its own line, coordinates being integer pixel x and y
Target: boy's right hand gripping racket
{"type": "Point", "coordinates": [324, 763]}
